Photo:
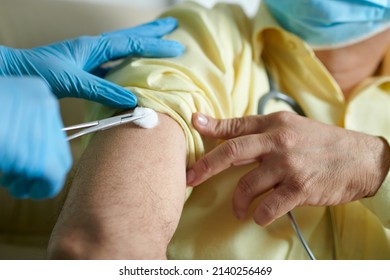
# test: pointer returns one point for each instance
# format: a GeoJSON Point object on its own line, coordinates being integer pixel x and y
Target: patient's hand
{"type": "Point", "coordinates": [301, 162]}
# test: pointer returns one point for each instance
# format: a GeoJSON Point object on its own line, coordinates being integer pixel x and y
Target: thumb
{"type": "Point", "coordinates": [102, 91]}
{"type": "Point", "coordinates": [228, 128]}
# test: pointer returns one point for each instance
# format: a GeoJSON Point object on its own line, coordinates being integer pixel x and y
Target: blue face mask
{"type": "Point", "coordinates": [331, 23]}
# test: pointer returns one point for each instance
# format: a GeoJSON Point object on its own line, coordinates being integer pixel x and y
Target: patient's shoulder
{"type": "Point", "coordinates": [224, 23]}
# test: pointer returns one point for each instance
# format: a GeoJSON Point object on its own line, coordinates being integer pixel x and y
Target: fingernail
{"type": "Point", "coordinates": [202, 119]}
{"type": "Point", "coordinates": [190, 177]}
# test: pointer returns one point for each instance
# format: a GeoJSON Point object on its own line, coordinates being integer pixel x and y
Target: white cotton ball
{"type": "Point", "coordinates": [149, 119]}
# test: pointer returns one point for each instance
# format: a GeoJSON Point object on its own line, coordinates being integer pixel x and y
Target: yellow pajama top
{"type": "Point", "coordinates": [222, 74]}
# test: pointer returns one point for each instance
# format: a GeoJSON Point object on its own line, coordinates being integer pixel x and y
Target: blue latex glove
{"type": "Point", "coordinates": [34, 154]}
{"type": "Point", "coordinates": [65, 66]}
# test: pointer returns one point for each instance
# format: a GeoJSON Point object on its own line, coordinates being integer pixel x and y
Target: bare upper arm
{"type": "Point", "coordinates": [128, 191]}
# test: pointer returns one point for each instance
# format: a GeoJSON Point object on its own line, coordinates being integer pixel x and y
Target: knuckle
{"type": "Point", "coordinates": [136, 45]}
{"type": "Point", "coordinates": [245, 187]}
{"type": "Point", "coordinates": [227, 128]}
{"type": "Point", "coordinates": [266, 212]}
{"type": "Point", "coordinates": [285, 138]}
{"type": "Point", "coordinates": [231, 148]}
{"type": "Point", "coordinates": [204, 165]}
{"type": "Point", "coordinates": [283, 117]}
{"type": "Point", "coordinates": [220, 128]}
{"type": "Point", "coordinates": [298, 190]}
{"type": "Point", "coordinates": [303, 186]}
{"type": "Point", "coordinates": [237, 126]}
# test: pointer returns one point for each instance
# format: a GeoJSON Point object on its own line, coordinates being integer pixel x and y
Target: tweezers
{"type": "Point", "coordinates": [94, 126]}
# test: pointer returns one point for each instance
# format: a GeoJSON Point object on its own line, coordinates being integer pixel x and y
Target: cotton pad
{"type": "Point", "coordinates": [149, 120]}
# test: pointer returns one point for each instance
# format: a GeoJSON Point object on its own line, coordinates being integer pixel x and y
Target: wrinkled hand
{"type": "Point", "coordinates": [65, 66]}
{"type": "Point", "coordinates": [301, 162]}
{"type": "Point", "coordinates": [34, 154]}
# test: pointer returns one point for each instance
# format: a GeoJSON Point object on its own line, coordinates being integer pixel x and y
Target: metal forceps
{"type": "Point", "coordinates": [94, 126]}
{"type": "Point", "coordinates": [275, 94]}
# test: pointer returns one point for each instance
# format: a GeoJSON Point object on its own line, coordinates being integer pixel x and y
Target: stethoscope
{"type": "Point", "coordinates": [275, 94]}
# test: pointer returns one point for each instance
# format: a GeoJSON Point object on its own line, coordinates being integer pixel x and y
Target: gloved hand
{"type": "Point", "coordinates": [65, 66]}
{"type": "Point", "coordinates": [34, 154]}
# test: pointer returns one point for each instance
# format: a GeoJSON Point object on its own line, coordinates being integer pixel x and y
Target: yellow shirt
{"type": "Point", "coordinates": [222, 74]}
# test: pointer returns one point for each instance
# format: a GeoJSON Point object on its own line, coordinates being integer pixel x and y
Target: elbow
{"type": "Point", "coordinates": [73, 246]}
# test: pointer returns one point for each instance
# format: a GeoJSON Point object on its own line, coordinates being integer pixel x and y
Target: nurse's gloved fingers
{"type": "Point", "coordinates": [112, 48]}
{"type": "Point", "coordinates": [7, 179]}
{"type": "Point", "coordinates": [276, 204]}
{"type": "Point", "coordinates": [230, 128]}
{"type": "Point", "coordinates": [87, 86]}
{"type": "Point", "coordinates": [157, 28]}
{"type": "Point", "coordinates": [19, 188]}
{"type": "Point", "coordinates": [151, 47]}
{"type": "Point", "coordinates": [255, 183]}
{"type": "Point", "coordinates": [52, 178]}
{"type": "Point", "coordinates": [44, 188]}
{"type": "Point", "coordinates": [64, 154]}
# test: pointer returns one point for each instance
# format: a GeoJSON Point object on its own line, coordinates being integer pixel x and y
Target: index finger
{"type": "Point", "coordinates": [233, 152]}
{"type": "Point", "coordinates": [157, 29]}
{"type": "Point", "coordinates": [230, 128]}
{"type": "Point", "coordinates": [111, 48]}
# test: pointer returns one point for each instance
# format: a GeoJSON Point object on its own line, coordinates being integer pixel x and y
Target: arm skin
{"type": "Point", "coordinates": [301, 162]}
{"type": "Point", "coordinates": [126, 197]}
